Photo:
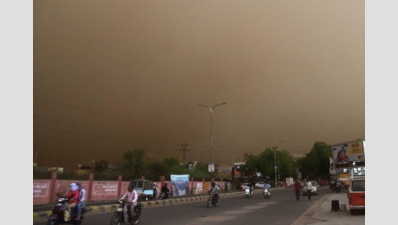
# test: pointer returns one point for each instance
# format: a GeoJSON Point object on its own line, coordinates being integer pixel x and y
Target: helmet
{"type": "Point", "coordinates": [73, 187]}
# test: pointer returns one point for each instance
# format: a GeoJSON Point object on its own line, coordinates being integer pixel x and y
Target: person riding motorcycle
{"type": "Point", "coordinates": [131, 198]}
{"type": "Point", "coordinates": [80, 204]}
{"type": "Point", "coordinates": [165, 190]}
{"type": "Point", "coordinates": [214, 190]}
{"type": "Point", "coordinates": [250, 185]}
{"type": "Point", "coordinates": [73, 196]}
{"type": "Point", "coordinates": [267, 186]}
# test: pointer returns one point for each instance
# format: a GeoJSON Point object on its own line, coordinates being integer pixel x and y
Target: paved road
{"type": "Point", "coordinates": [281, 208]}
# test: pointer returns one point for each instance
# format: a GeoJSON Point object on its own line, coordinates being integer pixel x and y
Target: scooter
{"type": "Point", "coordinates": [267, 193]}
{"type": "Point", "coordinates": [60, 212]}
{"type": "Point", "coordinates": [212, 199]}
{"type": "Point", "coordinates": [118, 216]}
{"type": "Point", "coordinates": [248, 192]}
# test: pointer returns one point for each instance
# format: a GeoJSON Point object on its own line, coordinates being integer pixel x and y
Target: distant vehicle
{"type": "Point", "coordinates": [244, 185]}
{"type": "Point", "coordinates": [259, 185]}
{"type": "Point", "coordinates": [314, 191]}
{"type": "Point", "coordinates": [356, 194]}
{"type": "Point", "coordinates": [144, 189]}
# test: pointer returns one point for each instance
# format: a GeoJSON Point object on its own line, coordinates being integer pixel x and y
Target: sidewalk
{"type": "Point", "coordinates": [320, 213]}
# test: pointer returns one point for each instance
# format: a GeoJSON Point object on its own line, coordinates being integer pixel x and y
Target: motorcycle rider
{"type": "Point", "coordinates": [267, 186]}
{"type": "Point", "coordinates": [130, 197]}
{"type": "Point", "coordinates": [250, 185]}
{"type": "Point", "coordinates": [73, 195]}
{"type": "Point", "coordinates": [165, 190]}
{"type": "Point", "coordinates": [82, 195]}
{"type": "Point", "coordinates": [214, 190]}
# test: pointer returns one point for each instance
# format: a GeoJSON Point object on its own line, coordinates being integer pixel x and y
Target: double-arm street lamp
{"type": "Point", "coordinates": [277, 146]}
{"type": "Point", "coordinates": [211, 127]}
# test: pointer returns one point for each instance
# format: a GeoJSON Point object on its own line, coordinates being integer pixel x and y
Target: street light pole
{"type": "Point", "coordinates": [211, 109]}
{"type": "Point", "coordinates": [277, 146]}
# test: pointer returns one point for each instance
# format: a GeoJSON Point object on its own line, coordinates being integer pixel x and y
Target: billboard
{"type": "Point", "coordinates": [348, 152]}
{"type": "Point", "coordinates": [180, 184]}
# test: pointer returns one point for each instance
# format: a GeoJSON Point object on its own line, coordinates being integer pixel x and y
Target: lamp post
{"type": "Point", "coordinates": [277, 146]}
{"type": "Point", "coordinates": [211, 109]}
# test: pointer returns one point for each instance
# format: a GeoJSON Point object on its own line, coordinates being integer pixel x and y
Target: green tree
{"type": "Point", "coordinates": [201, 171]}
{"type": "Point", "coordinates": [266, 163]}
{"type": "Point", "coordinates": [316, 163]}
{"type": "Point", "coordinates": [175, 167]}
{"type": "Point", "coordinates": [155, 169]}
{"type": "Point", "coordinates": [285, 164]}
{"type": "Point", "coordinates": [251, 166]}
{"type": "Point", "coordinates": [102, 166]}
{"type": "Point", "coordinates": [171, 162]}
{"type": "Point", "coordinates": [134, 162]}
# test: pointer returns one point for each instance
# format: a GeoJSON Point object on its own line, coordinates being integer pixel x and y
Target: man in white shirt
{"type": "Point", "coordinates": [130, 197]}
{"type": "Point", "coordinates": [309, 189]}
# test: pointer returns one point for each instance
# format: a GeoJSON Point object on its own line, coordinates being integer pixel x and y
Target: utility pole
{"type": "Point", "coordinates": [184, 149]}
{"type": "Point", "coordinates": [279, 169]}
{"type": "Point", "coordinates": [277, 146]}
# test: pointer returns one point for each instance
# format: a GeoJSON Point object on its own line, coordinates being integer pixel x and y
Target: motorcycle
{"type": "Point", "coordinates": [267, 193]}
{"type": "Point", "coordinates": [248, 192]}
{"type": "Point", "coordinates": [163, 195]}
{"type": "Point", "coordinates": [118, 216]}
{"type": "Point", "coordinates": [60, 212]}
{"type": "Point", "coordinates": [212, 199]}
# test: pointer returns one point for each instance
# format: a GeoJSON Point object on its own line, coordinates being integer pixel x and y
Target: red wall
{"type": "Point", "coordinates": [41, 191]}
{"type": "Point", "coordinates": [104, 190]}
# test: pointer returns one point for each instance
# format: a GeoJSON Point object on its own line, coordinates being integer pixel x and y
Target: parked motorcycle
{"type": "Point", "coordinates": [248, 192]}
{"type": "Point", "coordinates": [267, 193]}
{"type": "Point", "coordinates": [213, 199]}
{"type": "Point", "coordinates": [118, 216]}
{"type": "Point", "coordinates": [60, 212]}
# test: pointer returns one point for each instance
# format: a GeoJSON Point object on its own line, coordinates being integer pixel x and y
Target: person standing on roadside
{"type": "Point", "coordinates": [297, 188]}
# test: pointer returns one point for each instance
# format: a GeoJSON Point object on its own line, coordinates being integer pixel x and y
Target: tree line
{"type": "Point", "coordinates": [313, 165]}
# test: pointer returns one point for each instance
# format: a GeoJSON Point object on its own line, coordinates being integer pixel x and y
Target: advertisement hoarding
{"type": "Point", "coordinates": [348, 152]}
{"type": "Point", "coordinates": [180, 184]}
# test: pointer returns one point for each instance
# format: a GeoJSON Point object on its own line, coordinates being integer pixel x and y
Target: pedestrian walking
{"type": "Point", "coordinates": [297, 188]}
{"type": "Point", "coordinates": [309, 189]}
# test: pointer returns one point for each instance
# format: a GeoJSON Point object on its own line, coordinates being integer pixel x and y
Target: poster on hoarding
{"type": "Point", "coordinates": [348, 152]}
{"type": "Point", "coordinates": [197, 188]}
{"type": "Point", "coordinates": [206, 187]}
{"type": "Point", "coordinates": [180, 184]}
{"type": "Point", "coordinates": [211, 167]}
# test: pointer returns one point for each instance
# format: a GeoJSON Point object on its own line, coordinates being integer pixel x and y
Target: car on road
{"type": "Point", "coordinates": [314, 191]}
{"type": "Point", "coordinates": [259, 185]}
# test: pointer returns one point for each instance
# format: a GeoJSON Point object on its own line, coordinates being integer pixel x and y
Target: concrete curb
{"type": "Point", "coordinates": [43, 215]}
